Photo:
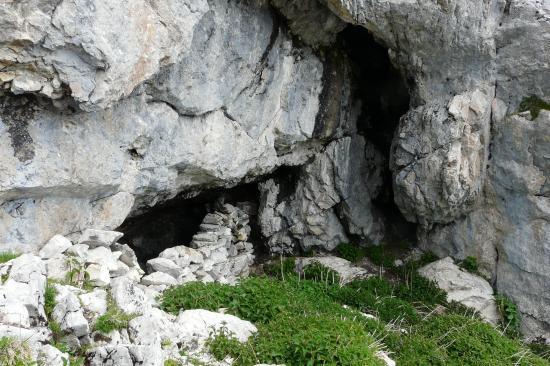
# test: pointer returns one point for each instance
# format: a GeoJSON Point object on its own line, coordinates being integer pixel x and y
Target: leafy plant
{"type": "Point", "coordinates": [49, 298]}
{"type": "Point", "coordinates": [509, 313]}
{"type": "Point", "coordinates": [317, 272]}
{"type": "Point", "coordinates": [113, 319]}
{"type": "Point", "coordinates": [14, 352]}
{"type": "Point", "coordinates": [8, 256]}
{"type": "Point", "coordinates": [352, 253]}
{"type": "Point", "coordinates": [534, 105]}
{"type": "Point", "coordinates": [470, 264]}
{"type": "Point", "coordinates": [76, 274]}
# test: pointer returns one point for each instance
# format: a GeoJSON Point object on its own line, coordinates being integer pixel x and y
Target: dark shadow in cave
{"type": "Point", "coordinates": [175, 221]}
{"type": "Point", "coordinates": [384, 95]}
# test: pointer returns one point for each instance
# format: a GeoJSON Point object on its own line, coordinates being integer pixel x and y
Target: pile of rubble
{"type": "Point", "coordinates": [219, 252]}
{"type": "Point", "coordinates": [96, 273]}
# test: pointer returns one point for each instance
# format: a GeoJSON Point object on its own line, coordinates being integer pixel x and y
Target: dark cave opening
{"type": "Point", "coordinates": [384, 95]}
{"type": "Point", "coordinates": [175, 221]}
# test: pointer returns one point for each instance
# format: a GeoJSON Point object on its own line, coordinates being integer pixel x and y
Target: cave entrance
{"type": "Point", "coordinates": [384, 96]}
{"type": "Point", "coordinates": [176, 221]}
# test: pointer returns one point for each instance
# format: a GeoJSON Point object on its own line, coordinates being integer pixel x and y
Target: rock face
{"type": "Point", "coordinates": [109, 109]}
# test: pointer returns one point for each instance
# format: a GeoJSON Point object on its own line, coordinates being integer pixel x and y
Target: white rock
{"type": "Point", "coordinates": [34, 336]}
{"type": "Point", "coordinates": [55, 246]}
{"type": "Point", "coordinates": [158, 278]}
{"type": "Point", "coordinates": [68, 312]}
{"type": "Point", "coordinates": [99, 238]}
{"type": "Point", "coordinates": [385, 358]}
{"type": "Point", "coordinates": [121, 269]}
{"type": "Point", "coordinates": [31, 295]}
{"type": "Point", "coordinates": [464, 287]}
{"type": "Point", "coordinates": [94, 302]}
{"type": "Point", "coordinates": [129, 297]}
{"type": "Point", "coordinates": [164, 265]}
{"type": "Point", "coordinates": [127, 256]}
{"type": "Point", "coordinates": [152, 328]}
{"type": "Point", "coordinates": [48, 355]}
{"type": "Point", "coordinates": [103, 256]}
{"type": "Point", "coordinates": [24, 267]}
{"type": "Point", "coordinates": [78, 250]}
{"type": "Point", "coordinates": [98, 275]}
{"type": "Point", "coordinates": [14, 313]}
{"type": "Point", "coordinates": [195, 326]}
{"type": "Point", "coordinates": [126, 355]}
{"type": "Point", "coordinates": [57, 267]}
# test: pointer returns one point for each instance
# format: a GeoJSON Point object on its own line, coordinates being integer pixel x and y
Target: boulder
{"type": "Point", "coordinates": [51, 356]}
{"type": "Point", "coordinates": [153, 327]}
{"type": "Point", "coordinates": [158, 278]}
{"type": "Point", "coordinates": [68, 312]}
{"type": "Point", "coordinates": [125, 355]}
{"type": "Point", "coordinates": [55, 246]}
{"type": "Point", "coordinates": [99, 238]}
{"type": "Point", "coordinates": [98, 275]}
{"type": "Point", "coordinates": [94, 303]}
{"type": "Point", "coordinates": [464, 287]}
{"type": "Point", "coordinates": [129, 297]}
{"type": "Point", "coordinates": [164, 265]}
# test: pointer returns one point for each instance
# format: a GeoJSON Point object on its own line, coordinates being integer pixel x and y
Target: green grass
{"type": "Point", "coordinates": [352, 253]}
{"type": "Point", "coordinates": [534, 105]}
{"type": "Point", "coordinates": [8, 256]}
{"type": "Point", "coordinates": [113, 319]}
{"type": "Point", "coordinates": [303, 321]}
{"type": "Point", "coordinates": [459, 340]}
{"type": "Point", "coordinates": [172, 362]}
{"type": "Point", "coordinates": [15, 353]}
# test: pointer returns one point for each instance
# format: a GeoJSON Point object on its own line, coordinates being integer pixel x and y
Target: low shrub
{"type": "Point", "coordinates": [509, 314]}
{"type": "Point", "coordinates": [113, 319]}
{"type": "Point", "coordinates": [534, 105]}
{"type": "Point", "coordinates": [296, 340]}
{"type": "Point", "coordinates": [470, 264]}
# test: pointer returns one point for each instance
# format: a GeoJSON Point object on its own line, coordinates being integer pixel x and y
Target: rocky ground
{"type": "Point", "coordinates": [353, 120]}
{"type": "Point", "coordinates": [89, 301]}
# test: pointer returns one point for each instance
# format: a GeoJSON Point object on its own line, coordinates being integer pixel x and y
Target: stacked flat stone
{"type": "Point", "coordinates": [218, 252]}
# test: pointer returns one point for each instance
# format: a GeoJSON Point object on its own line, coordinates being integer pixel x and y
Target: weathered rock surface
{"type": "Point", "coordinates": [107, 109]}
{"type": "Point", "coordinates": [464, 287]}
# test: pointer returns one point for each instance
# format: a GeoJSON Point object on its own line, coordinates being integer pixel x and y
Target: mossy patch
{"type": "Point", "coordinates": [534, 105]}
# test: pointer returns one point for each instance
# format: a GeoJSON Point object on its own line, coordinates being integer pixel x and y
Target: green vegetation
{"type": "Point", "coordinates": [380, 256]}
{"type": "Point", "coordinates": [534, 105]}
{"type": "Point", "coordinates": [49, 298]}
{"type": "Point", "coordinates": [8, 256]}
{"type": "Point", "coordinates": [77, 275]}
{"type": "Point", "coordinates": [352, 253]}
{"type": "Point", "coordinates": [15, 353]}
{"type": "Point", "coordinates": [458, 340]}
{"type": "Point", "coordinates": [301, 320]}
{"type": "Point", "coordinates": [510, 315]}
{"type": "Point", "coordinates": [172, 362]}
{"type": "Point", "coordinates": [470, 264]}
{"type": "Point", "coordinates": [540, 349]}
{"type": "Point", "coordinates": [113, 319]}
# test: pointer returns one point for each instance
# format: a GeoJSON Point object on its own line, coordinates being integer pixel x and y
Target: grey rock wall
{"type": "Point", "coordinates": [109, 108]}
